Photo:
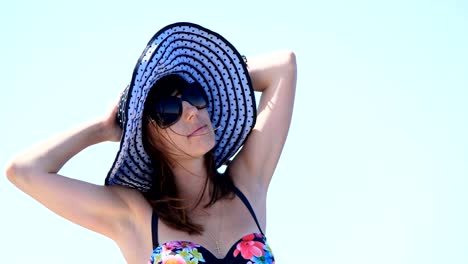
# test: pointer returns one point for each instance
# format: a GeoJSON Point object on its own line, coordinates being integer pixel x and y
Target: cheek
{"type": "Point", "coordinates": [166, 141]}
{"type": "Point", "coordinates": [206, 116]}
{"type": "Point", "coordinates": [205, 143]}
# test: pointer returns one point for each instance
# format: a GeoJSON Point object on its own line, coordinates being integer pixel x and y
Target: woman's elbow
{"type": "Point", "coordinates": [288, 62]}
{"type": "Point", "coordinates": [291, 60]}
{"type": "Point", "coordinates": [15, 172]}
{"type": "Point", "coordinates": [289, 65]}
{"type": "Point", "coordinates": [291, 57]}
{"type": "Point", "coordinates": [10, 170]}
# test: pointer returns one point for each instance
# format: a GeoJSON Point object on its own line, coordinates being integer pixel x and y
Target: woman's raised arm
{"type": "Point", "coordinates": [35, 172]}
{"type": "Point", "coordinates": [274, 75]}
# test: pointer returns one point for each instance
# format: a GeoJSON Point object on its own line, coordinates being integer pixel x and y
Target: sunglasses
{"type": "Point", "coordinates": [167, 110]}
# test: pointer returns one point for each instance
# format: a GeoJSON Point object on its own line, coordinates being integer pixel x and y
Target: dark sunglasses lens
{"type": "Point", "coordinates": [168, 111]}
{"type": "Point", "coordinates": [195, 95]}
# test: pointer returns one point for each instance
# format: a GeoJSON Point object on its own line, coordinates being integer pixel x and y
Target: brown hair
{"type": "Point", "coordinates": [163, 195]}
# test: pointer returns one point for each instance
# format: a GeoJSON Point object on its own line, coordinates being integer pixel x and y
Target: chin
{"type": "Point", "coordinates": [208, 145]}
{"type": "Point", "coordinates": [201, 146]}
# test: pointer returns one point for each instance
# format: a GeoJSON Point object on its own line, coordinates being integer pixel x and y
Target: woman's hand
{"type": "Point", "coordinates": [109, 123]}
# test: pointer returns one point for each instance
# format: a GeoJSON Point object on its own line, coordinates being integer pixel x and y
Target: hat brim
{"type": "Point", "coordinates": [197, 54]}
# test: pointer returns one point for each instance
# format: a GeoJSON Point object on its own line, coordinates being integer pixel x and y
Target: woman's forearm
{"type": "Point", "coordinates": [266, 69]}
{"type": "Point", "coordinates": [50, 155]}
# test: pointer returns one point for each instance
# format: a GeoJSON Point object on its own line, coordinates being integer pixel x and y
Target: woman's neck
{"type": "Point", "coordinates": [191, 177]}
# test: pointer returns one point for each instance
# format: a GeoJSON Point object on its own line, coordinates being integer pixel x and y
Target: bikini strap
{"type": "Point", "coordinates": [154, 229]}
{"type": "Point", "coordinates": [247, 204]}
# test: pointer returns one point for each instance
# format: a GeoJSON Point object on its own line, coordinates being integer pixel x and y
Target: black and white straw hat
{"type": "Point", "coordinates": [197, 54]}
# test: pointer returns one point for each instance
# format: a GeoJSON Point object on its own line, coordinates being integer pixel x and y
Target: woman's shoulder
{"type": "Point", "coordinates": [245, 180]}
{"type": "Point", "coordinates": [133, 199]}
{"type": "Point", "coordinates": [134, 230]}
{"type": "Point", "coordinates": [137, 222]}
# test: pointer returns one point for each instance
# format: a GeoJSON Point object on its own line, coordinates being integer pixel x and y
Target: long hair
{"type": "Point", "coordinates": [163, 194]}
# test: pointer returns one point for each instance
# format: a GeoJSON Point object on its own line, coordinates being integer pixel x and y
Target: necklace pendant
{"type": "Point", "coordinates": [218, 248]}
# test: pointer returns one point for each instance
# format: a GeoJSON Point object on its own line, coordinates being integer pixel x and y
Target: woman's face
{"type": "Point", "coordinates": [192, 136]}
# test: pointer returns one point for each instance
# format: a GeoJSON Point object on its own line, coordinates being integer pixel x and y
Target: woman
{"type": "Point", "coordinates": [187, 111]}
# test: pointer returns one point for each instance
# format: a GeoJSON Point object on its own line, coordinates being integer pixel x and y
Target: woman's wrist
{"type": "Point", "coordinates": [103, 128]}
{"type": "Point", "coordinates": [94, 132]}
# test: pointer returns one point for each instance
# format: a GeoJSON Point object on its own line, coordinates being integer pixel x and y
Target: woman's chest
{"type": "Point", "coordinates": [251, 248]}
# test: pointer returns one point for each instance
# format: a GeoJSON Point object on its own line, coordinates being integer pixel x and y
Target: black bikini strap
{"type": "Point", "coordinates": [247, 204]}
{"type": "Point", "coordinates": [154, 229]}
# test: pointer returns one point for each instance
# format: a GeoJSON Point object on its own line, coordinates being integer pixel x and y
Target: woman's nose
{"type": "Point", "coordinates": [189, 111]}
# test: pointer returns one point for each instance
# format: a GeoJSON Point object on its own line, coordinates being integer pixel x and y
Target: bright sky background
{"type": "Point", "coordinates": [375, 169]}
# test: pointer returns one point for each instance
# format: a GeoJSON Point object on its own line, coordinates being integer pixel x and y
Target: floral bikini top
{"type": "Point", "coordinates": [250, 249]}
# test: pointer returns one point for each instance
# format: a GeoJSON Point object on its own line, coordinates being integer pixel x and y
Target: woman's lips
{"type": "Point", "coordinates": [199, 131]}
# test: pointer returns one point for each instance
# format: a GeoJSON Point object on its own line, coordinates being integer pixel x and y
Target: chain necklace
{"type": "Point", "coordinates": [217, 242]}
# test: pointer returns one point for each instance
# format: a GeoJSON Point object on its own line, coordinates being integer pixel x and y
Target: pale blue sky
{"type": "Point", "coordinates": [375, 169]}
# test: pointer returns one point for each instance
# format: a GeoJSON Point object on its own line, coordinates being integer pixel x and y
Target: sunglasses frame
{"type": "Point", "coordinates": [157, 107]}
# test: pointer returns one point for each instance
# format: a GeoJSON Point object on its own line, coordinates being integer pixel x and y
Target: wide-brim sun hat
{"type": "Point", "coordinates": [198, 55]}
